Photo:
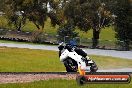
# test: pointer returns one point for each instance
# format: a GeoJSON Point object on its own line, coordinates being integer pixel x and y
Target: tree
{"type": "Point", "coordinates": [37, 11]}
{"type": "Point", "coordinates": [1, 5]}
{"type": "Point", "coordinates": [40, 10]}
{"type": "Point", "coordinates": [89, 14]}
{"type": "Point", "coordinates": [123, 23]}
{"type": "Point", "coordinates": [15, 13]}
{"type": "Point", "coordinates": [67, 32]}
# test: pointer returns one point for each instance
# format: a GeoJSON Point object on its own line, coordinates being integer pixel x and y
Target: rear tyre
{"type": "Point", "coordinates": [93, 68]}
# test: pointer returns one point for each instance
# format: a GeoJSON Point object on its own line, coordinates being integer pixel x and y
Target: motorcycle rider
{"type": "Point", "coordinates": [71, 46]}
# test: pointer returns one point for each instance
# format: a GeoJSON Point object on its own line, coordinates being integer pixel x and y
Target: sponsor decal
{"type": "Point", "coordinates": [104, 78]}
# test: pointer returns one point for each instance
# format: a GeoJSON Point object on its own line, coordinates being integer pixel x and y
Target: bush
{"type": "Point", "coordinates": [66, 32]}
{"type": "Point", "coordinates": [38, 36]}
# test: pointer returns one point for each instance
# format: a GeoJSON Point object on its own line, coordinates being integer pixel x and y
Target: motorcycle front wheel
{"type": "Point", "coordinates": [71, 65]}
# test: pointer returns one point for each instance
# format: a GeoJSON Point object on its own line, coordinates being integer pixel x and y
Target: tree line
{"type": "Point", "coordinates": [70, 14]}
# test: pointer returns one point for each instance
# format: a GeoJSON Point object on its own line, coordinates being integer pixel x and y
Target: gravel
{"type": "Point", "coordinates": [31, 77]}
{"type": "Point", "coordinates": [24, 78]}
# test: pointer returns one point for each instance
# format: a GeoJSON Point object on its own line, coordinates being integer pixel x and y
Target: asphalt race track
{"type": "Point", "coordinates": [113, 53]}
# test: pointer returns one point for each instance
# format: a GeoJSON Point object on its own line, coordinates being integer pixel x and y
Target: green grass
{"type": "Point", "coordinates": [47, 29]}
{"type": "Point", "coordinates": [62, 84]}
{"type": "Point", "coordinates": [106, 34]}
{"type": "Point", "coordinates": [27, 60]}
{"type": "Point", "coordinates": [105, 62]}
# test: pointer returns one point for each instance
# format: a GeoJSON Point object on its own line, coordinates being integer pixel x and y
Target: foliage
{"type": "Point", "coordinates": [36, 36]}
{"type": "Point", "coordinates": [88, 14]}
{"type": "Point", "coordinates": [15, 14]}
{"type": "Point", "coordinates": [123, 23]}
{"type": "Point", "coordinates": [37, 11]}
{"type": "Point", "coordinates": [1, 5]}
{"type": "Point", "coordinates": [66, 32]}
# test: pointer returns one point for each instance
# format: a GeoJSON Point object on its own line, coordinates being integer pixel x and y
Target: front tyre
{"type": "Point", "coordinates": [71, 65]}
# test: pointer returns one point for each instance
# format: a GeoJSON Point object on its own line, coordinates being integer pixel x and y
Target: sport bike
{"type": "Point", "coordinates": [73, 57]}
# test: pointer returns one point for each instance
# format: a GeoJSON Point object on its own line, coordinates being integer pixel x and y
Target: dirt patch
{"type": "Point", "coordinates": [22, 78]}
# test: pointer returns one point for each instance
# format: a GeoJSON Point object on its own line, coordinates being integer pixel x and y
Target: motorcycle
{"type": "Point", "coordinates": [73, 57]}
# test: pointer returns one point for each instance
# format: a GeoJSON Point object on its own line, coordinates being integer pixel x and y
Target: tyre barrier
{"type": "Point", "coordinates": [26, 40]}
{"type": "Point", "coordinates": [14, 39]}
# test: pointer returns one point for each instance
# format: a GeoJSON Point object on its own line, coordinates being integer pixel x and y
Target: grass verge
{"type": "Point", "coordinates": [62, 83]}
{"type": "Point", "coordinates": [27, 60]}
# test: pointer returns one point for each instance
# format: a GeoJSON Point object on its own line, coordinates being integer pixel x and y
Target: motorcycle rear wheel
{"type": "Point", "coordinates": [93, 68]}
